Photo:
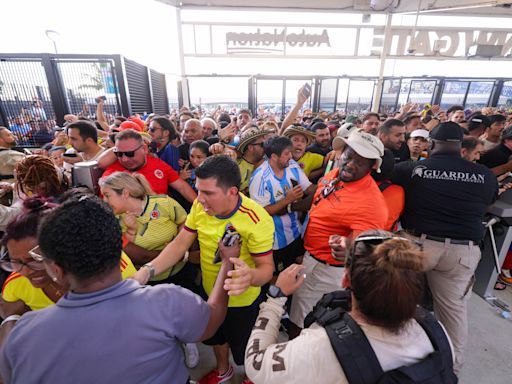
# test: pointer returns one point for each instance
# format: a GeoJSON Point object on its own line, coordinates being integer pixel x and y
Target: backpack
{"type": "Point", "coordinates": [357, 358]}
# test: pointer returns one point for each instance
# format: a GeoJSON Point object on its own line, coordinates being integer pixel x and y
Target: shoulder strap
{"type": "Point", "coordinates": [353, 350]}
{"type": "Point", "coordinates": [437, 337]}
{"type": "Point", "coordinates": [384, 185]}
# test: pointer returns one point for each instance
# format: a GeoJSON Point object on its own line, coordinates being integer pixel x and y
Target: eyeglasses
{"type": "Point", "coordinates": [16, 265]}
{"type": "Point", "coordinates": [120, 154]}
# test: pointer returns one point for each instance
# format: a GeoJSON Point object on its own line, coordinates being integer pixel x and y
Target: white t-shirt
{"type": "Point", "coordinates": [266, 188]}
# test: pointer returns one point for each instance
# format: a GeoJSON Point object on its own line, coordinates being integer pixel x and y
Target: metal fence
{"type": "Point", "coordinates": [38, 90]}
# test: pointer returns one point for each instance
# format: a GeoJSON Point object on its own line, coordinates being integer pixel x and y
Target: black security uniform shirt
{"type": "Point", "coordinates": [446, 196]}
{"type": "Point", "coordinates": [496, 156]}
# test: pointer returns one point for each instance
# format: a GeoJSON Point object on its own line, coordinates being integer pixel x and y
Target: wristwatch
{"type": "Point", "coordinates": [275, 292]}
{"type": "Point", "coordinates": [151, 270]}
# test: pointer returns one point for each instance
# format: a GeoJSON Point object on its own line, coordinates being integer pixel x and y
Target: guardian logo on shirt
{"type": "Point", "coordinates": [434, 174]}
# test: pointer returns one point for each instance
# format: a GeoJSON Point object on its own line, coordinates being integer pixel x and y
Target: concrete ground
{"type": "Point", "coordinates": [488, 353]}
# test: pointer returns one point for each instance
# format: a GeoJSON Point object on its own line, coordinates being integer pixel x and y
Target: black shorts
{"type": "Point", "coordinates": [286, 256]}
{"type": "Point", "coordinates": [236, 329]}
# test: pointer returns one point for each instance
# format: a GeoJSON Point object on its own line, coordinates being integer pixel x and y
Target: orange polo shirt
{"type": "Point", "coordinates": [352, 208]}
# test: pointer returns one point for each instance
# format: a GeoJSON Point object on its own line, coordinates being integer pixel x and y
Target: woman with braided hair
{"type": "Point", "coordinates": [35, 176]}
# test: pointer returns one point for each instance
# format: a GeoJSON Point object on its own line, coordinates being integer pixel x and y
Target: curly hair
{"type": "Point", "coordinates": [83, 237]}
{"type": "Point", "coordinates": [38, 174]}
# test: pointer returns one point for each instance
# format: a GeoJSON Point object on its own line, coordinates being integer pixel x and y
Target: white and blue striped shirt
{"type": "Point", "coordinates": [267, 189]}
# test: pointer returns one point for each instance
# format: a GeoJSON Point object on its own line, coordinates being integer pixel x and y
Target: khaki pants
{"type": "Point", "coordinates": [320, 279]}
{"type": "Point", "coordinates": [450, 272]}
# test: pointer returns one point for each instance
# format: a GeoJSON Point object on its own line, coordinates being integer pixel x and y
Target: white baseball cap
{"type": "Point", "coordinates": [366, 145]}
{"type": "Point", "coordinates": [423, 133]}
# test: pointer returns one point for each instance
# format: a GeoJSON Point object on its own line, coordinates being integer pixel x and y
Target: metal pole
{"type": "Point", "coordinates": [377, 94]}
{"type": "Point", "coordinates": [181, 53]}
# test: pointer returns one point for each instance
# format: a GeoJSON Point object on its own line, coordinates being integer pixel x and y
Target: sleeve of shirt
{"type": "Point", "coordinates": [171, 174]}
{"type": "Point", "coordinates": [402, 173]}
{"type": "Point", "coordinates": [258, 192]}
{"type": "Point", "coordinates": [5, 365]}
{"type": "Point", "coordinates": [188, 314]}
{"type": "Point", "coordinates": [190, 222]}
{"type": "Point", "coordinates": [262, 237]}
{"type": "Point", "coordinates": [8, 290]}
{"type": "Point", "coordinates": [269, 362]}
{"type": "Point", "coordinates": [177, 214]}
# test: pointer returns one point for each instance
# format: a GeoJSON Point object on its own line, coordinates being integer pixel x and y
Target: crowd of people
{"type": "Point", "coordinates": [226, 228]}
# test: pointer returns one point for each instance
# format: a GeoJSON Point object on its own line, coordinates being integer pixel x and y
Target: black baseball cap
{"type": "Point", "coordinates": [449, 132]}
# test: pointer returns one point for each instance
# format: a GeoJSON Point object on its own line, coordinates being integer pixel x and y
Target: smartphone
{"type": "Point", "coordinates": [306, 90]}
{"type": "Point", "coordinates": [228, 239]}
{"type": "Point", "coordinates": [294, 183]}
{"type": "Point", "coordinates": [70, 155]}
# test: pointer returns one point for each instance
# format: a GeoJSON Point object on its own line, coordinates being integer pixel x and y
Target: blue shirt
{"type": "Point", "coordinates": [126, 333]}
{"type": "Point", "coordinates": [170, 154]}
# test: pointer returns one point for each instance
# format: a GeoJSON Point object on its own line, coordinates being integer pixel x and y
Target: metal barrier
{"type": "Point", "coordinates": [38, 90]}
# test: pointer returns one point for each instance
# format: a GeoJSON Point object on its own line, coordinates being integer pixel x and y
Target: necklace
{"type": "Point", "coordinates": [57, 291]}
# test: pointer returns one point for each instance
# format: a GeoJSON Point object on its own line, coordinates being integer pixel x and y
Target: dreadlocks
{"type": "Point", "coordinates": [37, 174]}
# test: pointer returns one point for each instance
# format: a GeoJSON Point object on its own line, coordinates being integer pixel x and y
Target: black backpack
{"type": "Point", "coordinates": [357, 357]}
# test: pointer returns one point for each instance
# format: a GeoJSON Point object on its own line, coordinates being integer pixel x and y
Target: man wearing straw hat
{"type": "Point", "coordinates": [252, 153]}
{"type": "Point", "coordinates": [311, 163]}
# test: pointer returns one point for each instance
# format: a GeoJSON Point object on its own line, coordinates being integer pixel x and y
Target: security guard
{"type": "Point", "coordinates": [445, 200]}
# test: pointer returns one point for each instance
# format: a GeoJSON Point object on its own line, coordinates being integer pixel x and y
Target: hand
{"type": "Point", "coordinates": [338, 246]}
{"type": "Point", "coordinates": [130, 221]}
{"type": "Point", "coordinates": [239, 279]}
{"type": "Point", "coordinates": [70, 118]}
{"type": "Point", "coordinates": [216, 149]}
{"type": "Point", "coordinates": [182, 163]}
{"type": "Point", "coordinates": [435, 109]}
{"type": "Point", "coordinates": [294, 194]}
{"type": "Point", "coordinates": [226, 134]}
{"type": "Point", "coordinates": [142, 276]}
{"type": "Point", "coordinates": [230, 153]}
{"type": "Point", "coordinates": [291, 279]}
{"type": "Point", "coordinates": [301, 97]}
{"type": "Point", "coordinates": [504, 188]}
{"type": "Point", "coordinates": [227, 253]}
{"type": "Point", "coordinates": [185, 174]}
{"type": "Point", "coordinates": [487, 111]}
{"type": "Point", "coordinates": [6, 187]}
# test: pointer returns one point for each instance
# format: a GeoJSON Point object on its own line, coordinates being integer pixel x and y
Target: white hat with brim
{"type": "Point", "coordinates": [366, 145]}
{"type": "Point", "coordinates": [423, 133]}
{"type": "Point", "coordinates": [296, 130]}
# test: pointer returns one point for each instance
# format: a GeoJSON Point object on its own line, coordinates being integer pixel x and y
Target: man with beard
{"type": "Point", "coordinates": [322, 144]}
{"type": "Point", "coordinates": [346, 203]}
{"type": "Point", "coordinates": [392, 134]}
{"type": "Point", "coordinates": [311, 163]}
{"type": "Point", "coordinates": [279, 185]}
{"type": "Point", "coordinates": [8, 157]}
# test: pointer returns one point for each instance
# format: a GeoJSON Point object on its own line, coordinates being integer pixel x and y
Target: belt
{"type": "Point", "coordinates": [326, 263]}
{"type": "Point", "coordinates": [442, 239]}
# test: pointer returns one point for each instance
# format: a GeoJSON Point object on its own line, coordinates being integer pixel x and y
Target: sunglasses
{"type": "Point", "coordinates": [120, 154]}
{"type": "Point", "coordinates": [330, 188]}
{"type": "Point", "coordinates": [153, 129]}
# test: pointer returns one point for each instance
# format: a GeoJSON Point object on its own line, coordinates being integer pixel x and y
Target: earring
{"type": "Point", "coordinates": [54, 279]}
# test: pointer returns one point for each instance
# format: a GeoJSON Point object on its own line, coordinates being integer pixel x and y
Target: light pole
{"type": "Point", "coordinates": [53, 36]}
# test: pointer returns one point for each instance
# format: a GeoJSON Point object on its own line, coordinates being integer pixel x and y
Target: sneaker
{"type": "Point", "coordinates": [215, 378]}
{"type": "Point", "coordinates": [505, 279]}
{"type": "Point", "coordinates": [191, 355]}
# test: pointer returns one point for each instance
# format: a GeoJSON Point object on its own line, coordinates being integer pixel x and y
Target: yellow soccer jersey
{"type": "Point", "coordinates": [18, 287]}
{"type": "Point", "coordinates": [256, 229]}
{"type": "Point", "coordinates": [246, 170]}
{"type": "Point", "coordinates": [310, 162]}
{"type": "Point", "coordinates": [158, 225]}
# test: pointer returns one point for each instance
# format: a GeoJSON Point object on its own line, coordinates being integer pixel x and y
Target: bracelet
{"type": "Point", "coordinates": [151, 270]}
{"type": "Point", "coordinates": [289, 208]}
{"type": "Point", "coordinates": [10, 318]}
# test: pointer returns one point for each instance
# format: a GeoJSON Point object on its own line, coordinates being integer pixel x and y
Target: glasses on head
{"type": "Point", "coordinates": [16, 265]}
{"type": "Point", "coordinates": [120, 154]}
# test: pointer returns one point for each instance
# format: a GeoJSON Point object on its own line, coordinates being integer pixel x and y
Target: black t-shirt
{"type": "Point", "coordinates": [315, 148]}
{"type": "Point", "coordinates": [403, 154]}
{"type": "Point", "coordinates": [184, 148]}
{"type": "Point", "coordinates": [446, 196]}
{"type": "Point", "coordinates": [496, 156]}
